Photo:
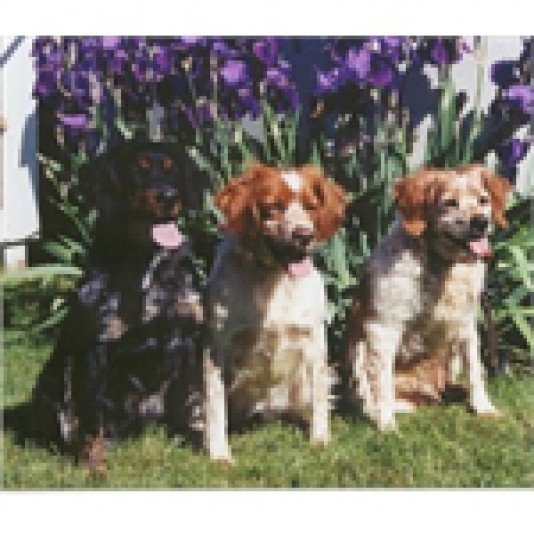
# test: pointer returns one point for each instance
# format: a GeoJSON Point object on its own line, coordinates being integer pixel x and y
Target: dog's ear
{"type": "Point", "coordinates": [100, 182]}
{"type": "Point", "coordinates": [413, 195]}
{"type": "Point", "coordinates": [235, 200]}
{"type": "Point", "coordinates": [498, 189]}
{"type": "Point", "coordinates": [332, 201]}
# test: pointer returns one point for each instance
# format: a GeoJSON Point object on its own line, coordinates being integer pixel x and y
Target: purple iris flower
{"type": "Point", "coordinates": [510, 153]}
{"type": "Point", "coordinates": [142, 66]}
{"type": "Point", "coordinates": [359, 62]}
{"type": "Point", "coordinates": [221, 50]}
{"type": "Point", "coordinates": [293, 98]}
{"type": "Point", "coordinates": [394, 47]}
{"type": "Point", "coordinates": [192, 40]}
{"type": "Point", "coordinates": [75, 83]}
{"type": "Point", "coordinates": [392, 41]}
{"type": "Point", "coordinates": [47, 52]}
{"type": "Point", "coordinates": [328, 82]}
{"type": "Point", "coordinates": [504, 73]}
{"type": "Point", "coordinates": [275, 77]}
{"type": "Point", "coordinates": [248, 102]}
{"type": "Point", "coordinates": [46, 84]}
{"type": "Point", "coordinates": [439, 53]}
{"type": "Point", "coordinates": [233, 72]}
{"type": "Point", "coordinates": [161, 61]}
{"type": "Point", "coordinates": [89, 43]}
{"type": "Point", "coordinates": [77, 121]}
{"type": "Point", "coordinates": [196, 115]}
{"type": "Point", "coordinates": [132, 44]}
{"type": "Point", "coordinates": [522, 96]}
{"type": "Point", "coordinates": [55, 59]}
{"type": "Point", "coordinates": [442, 51]}
{"type": "Point", "coordinates": [383, 73]}
{"type": "Point", "coordinates": [111, 43]}
{"type": "Point", "coordinates": [138, 66]}
{"type": "Point", "coordinates": [117, 62]}
{"type": "Point", "coordinates": [266, 50]}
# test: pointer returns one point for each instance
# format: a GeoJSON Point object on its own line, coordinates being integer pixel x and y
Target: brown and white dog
{"type": "Point", "coordinates": [266, 303]}
{"type": "Point", "coordinates": [414, 319]}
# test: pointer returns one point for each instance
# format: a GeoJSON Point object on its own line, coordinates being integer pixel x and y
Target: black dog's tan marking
{"type": "Point", "coordinates": [127, 354]}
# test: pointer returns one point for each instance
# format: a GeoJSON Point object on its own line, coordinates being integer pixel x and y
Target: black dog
{"type": "Point", "coordinates": [128, 353]}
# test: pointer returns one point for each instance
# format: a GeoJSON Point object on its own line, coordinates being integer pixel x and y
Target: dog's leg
{"type": "Point", "coordinates": [478, 396]}
{"type": "Point", "coordinates": [216, 430]}
{"type": "Point", "coordinates": [404, 405]}
{"type": "Point", "coordinates": [93, 457]}
{"type": "Point", "coordinates": [321, 379]}
{"type": "Point", "coordinates": [358, 385]}
{"type": "Point", "coordinates": [377, 366]}
{"type": "Point", "coordinates": [454, 363]}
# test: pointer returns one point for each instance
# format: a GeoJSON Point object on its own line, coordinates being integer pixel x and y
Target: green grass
{"type": "Point", "coordinates": [436, 447]}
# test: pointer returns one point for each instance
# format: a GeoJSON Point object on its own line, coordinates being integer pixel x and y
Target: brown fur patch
{"type": "Point", "coordinates": [423, 381]}
{"type": "Point", "coordinates": [93, 457]}
{"type": "Point", "coordinates": [261, 188]}
{"type": "Point", "coordinates": [417, 193]}
{"type": "Point", "coordinates": [147, 201]}
{"type": "Point", "coordinates": [115, 327]}
{"type": "Point", "coordinates": [326, 198]}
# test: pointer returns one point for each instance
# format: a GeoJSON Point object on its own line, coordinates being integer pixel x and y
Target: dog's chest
{"type": "Point", "coordinates": [258, 359]}
{"type": "Point", "coordinates": [292, 301]}
{"type": "Point", "coordinates": [448, 304]}
{"type": "Point", "coordinates": [270, 316]}
{"type": "Point", "coordinates": [452, 295]}
{"type": "Point", "coordinates": [139, 294]}
{"type": "Point", "coordinates": [241, 298]}
{"type": "Point", "coordinates": [268, 326]}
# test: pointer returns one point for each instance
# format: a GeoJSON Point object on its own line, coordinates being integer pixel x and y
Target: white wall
{"type": "Point", "coordinates": [19, 216]}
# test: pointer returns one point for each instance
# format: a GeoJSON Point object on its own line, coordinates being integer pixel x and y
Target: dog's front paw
{"type": "Point", "coordinates": [225, 461]}
{"type": "Point", "coordinates": [320, 442]}
{"type": "Point", "coordinates": [388, 424]}
{"type": "Point", "coordinates": [93, 458]}
{"type": "Point", "coordinates": [221, 454]}
{"type": "Point", "coordinates": [404, 406]}
{"type": "Point", "coordinates": [486, 410]}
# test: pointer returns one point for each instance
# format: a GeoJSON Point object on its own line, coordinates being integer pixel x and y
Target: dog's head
{"type": "Point", "coordinates": [289, 211]}
{"type": "Point", "coordinates": [456, 208]}
{"type": "Point", "coordinates": [138, 183]}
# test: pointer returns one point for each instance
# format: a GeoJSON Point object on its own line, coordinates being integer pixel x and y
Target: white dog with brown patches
{"type": "Point", "coordinates": [414, 319]}
{"type": "Point", "coordinates": [266, 303]}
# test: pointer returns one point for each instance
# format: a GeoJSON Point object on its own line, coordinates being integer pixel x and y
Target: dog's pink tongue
{"type": "Point", "coordinates": [300, 268]}
{"type": "Point", "coordinates": [480, 247]}
{"type": "Point", "coordinates": [167, 235]}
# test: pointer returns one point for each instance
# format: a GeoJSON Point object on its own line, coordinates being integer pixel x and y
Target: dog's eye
{"type": "Point", "coordinates": [167, 164]}
{"type": "Point", "coordinates": [144, 164]}
{"type": "Point", "coordinates": [450, 203]}
{"type": "Point", "coordinates": [484, 199]}
{"type": "Point", "coordinates": [310, 206]}
{"type": "Point", "coordinates": [271, 209]}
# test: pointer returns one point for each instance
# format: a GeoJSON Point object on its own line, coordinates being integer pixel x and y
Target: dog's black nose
{"type": "Point", "coordinates": [302, 236]}
{"type": "Point", "coordinates": [167, 196]}
{"type": "Point", "coordinates": [478, 224]}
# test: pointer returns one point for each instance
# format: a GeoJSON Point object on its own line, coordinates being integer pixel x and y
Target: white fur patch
{"type": "Point", "coordinates": [293, 180]}
{"type": "Point", "coordinates": [461, 181]}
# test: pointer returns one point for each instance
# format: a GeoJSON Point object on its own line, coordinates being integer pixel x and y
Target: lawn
{"type": "Point", "coordinates": [436, 447]}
